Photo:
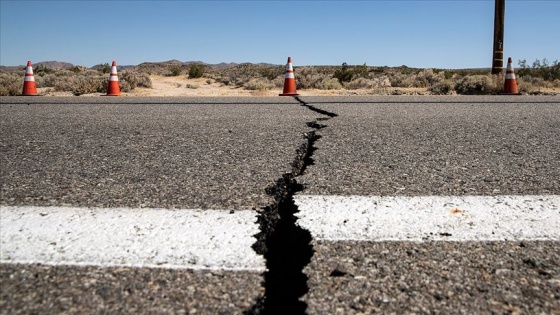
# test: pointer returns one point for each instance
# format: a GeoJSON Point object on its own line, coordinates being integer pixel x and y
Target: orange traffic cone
{"type": "Point", "coordinates": [29, 86]}
{"type": "Point", "coordinates": [113, 88]}
{"type": "Point", "coordinates": [289, 80]}
{"type": "Point", "coordinates": [510, 85]}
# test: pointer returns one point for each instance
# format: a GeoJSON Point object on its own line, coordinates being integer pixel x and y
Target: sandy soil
{"type": "Point", "coordinates": [181, 86]}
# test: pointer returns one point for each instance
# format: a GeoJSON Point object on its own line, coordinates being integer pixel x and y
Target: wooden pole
{"type": "Point", "coordinates": [498, 54]}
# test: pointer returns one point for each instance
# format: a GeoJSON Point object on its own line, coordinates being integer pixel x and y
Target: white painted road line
{"type": "Point", "coordinates": [430, 218]}
{"type": "Point", "coordinates": [159, 238]}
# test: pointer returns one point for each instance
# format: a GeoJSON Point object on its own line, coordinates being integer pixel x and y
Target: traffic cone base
{"type": "Point", "coordinates": [289, 80]}
{"type": "Point", "coordinates": [510, 84]}
{"type": "Point", "coordinates": [113, 88]}
{"type": "Point", "coordinates": [29, 86]}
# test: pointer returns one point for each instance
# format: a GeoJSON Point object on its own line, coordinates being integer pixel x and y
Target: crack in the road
{"type": "Point", "coordinates": [315, 109]}
{"type": "Point", "coordinates": [286, 246]}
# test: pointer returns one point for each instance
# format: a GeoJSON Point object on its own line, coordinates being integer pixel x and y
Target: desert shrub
{"type": "Point", "coordinates": [41, 70]}
{"type": "Point", "coordinates": [526, 87]}
{"type": "Point", "coordinates": [272, 73]}
{"type": "Point", "coordinates": [246, 69]}
{"type": "Point", "coordinates": [315, 78]}
{"type": "Point", "coordinates": [240, 81]}
{"type": "Point", "coordinates": [420, 79]}
{"type": "Point", "coordinates": [379, 70]}
{"type": "Point", "coordinates": [259, 84]}
{"type": "Point", "coordinates": [540, 69]}
{"type": "Point", "coordinates": [51, 80]}
{"type": "Point", "coordinates": [86, 85]}
{"type": "Point", "coordinates": [129, 80]}
{"type": "Point", "coordinates": [308, 78]}
{"type": "Point", "coordinates": [278, 82]}
{"type": "Point", "coordinates": [79, 82]}
{"type": "Point", "coordinates": [329, 84]}
{"type": "Point", "coordinates": [174, 71]}
{"type": "Point", "coordinates": [78, 69]}
{"type": "Point", "coordinates": [124, 86]}
{"type": "Point", "coordinates": [402, 80]}
{"type": "Point", "coordinates": [136, 79]}
{"type": "Point", "coordinates": [359, 83]}
{"type": "Point", "coordinates": [347, 73]}
{"type": "Point", "coordinates": [104, 68]}
{"type": "Point", "coordinates": [143, 80]}
{"type": "Point", "coordinates": [10, 84]}
{"type": "Point", "coordinates": [384, 82]}
{"type": "Point", "coordinates": [428, 78]}
{"type": "Point", "coordinates": [196, 71]}
{"type": "Point", "coordinates": [475, 84]}
{"type": "Point", "coordinates": [224, 81]}
{"type": "Point", "coordinates": [64, 85]}
{"type": "Point", "coordinates": [363, 83]}
{"type": "Point", "coordinates": [528, 84]}
{"type": "Point", "coordinates": [405, 70]}
{"type": "Point", "coordinates": [442, 88]}
{"type": "Point", "coordinates": [39, 81]}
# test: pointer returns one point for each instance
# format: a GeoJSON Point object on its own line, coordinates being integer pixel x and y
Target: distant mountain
{"type": "Point", "coordinates": [223, 65]}
{"type": "Point", "coordinates": [12, 68]}
{"type": "Point", "coordinates": [54, 65]}
{"type": "Point", "coordinates": [173, 62]}
{"type": "Point", "coordinates": [170, 62]}
{"type": "Point", "coordinates": [120, 67]}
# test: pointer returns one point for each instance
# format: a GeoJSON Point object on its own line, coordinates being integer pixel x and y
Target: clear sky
{"type": "Point", "coordinates": [438, 34]}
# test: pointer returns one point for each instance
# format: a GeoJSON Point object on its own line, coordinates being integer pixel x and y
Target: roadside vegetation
{"type": "Point", "coordinates": [78, 80]}
{"type": "Point", "coordinates": [541, 77]}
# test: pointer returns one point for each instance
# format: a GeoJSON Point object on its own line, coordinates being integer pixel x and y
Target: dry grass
{"type": "Point", "coordinates": [153, 79]}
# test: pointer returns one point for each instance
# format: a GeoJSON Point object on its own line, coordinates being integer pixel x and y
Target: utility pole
{"type": "Point", "coordinates": [498, 59]}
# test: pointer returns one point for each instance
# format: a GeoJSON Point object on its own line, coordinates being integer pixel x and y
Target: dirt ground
{"type": "Point", "coordinates": [181, 86]}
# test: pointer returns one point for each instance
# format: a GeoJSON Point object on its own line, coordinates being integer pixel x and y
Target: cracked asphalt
{"type": "Point", "coordinates": [444, 146]}
{"type": "Point", "coordinates": [156, 153]}
{"type": "Point", "coordinates": [221, 153]}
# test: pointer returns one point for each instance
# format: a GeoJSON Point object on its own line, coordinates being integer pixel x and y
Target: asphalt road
{"type": "Point", "coordinates": [436, 147]}
{"type": "Point", "coordinates": [222, 154]}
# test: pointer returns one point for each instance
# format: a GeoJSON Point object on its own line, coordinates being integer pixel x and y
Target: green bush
{"type": "Point", "coordinates": [41, 70]}
{"type": "Point", "coordinates": [196, 71]}
{"type": "Point", "coordinates": [540, 69]}
{"type": "Point", "coordinates": [104, 68]}
{"type": "Point", "coordinates": [174, 71]}
{"type": "Point", "coordinates": [347, 73]}
{"type": "Point", "coordinates": [344, 74]}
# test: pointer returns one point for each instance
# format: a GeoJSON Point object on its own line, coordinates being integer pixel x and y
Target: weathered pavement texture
{"type": "Point", "coordinates": [172, 153]}
{"type": "Point", "coordinates": [467, 146]}
{"type": "Point", "coordinates": [242, 155]}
